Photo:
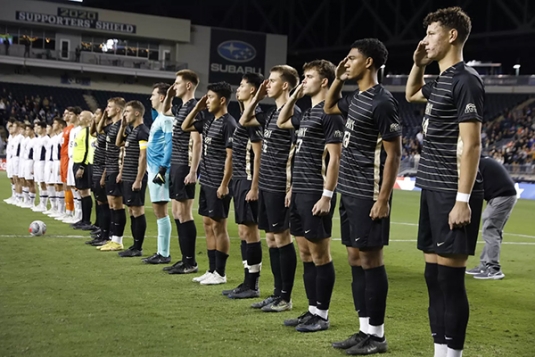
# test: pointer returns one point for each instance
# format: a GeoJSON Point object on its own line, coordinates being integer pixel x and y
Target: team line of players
{"type": "Point", "coordinates": [282, 168]}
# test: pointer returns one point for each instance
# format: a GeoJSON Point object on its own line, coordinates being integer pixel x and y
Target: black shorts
{"type": "Point", "coordinates": [98, 191]}
{"type": "Point", "coordinates": [134, 198]}
{"type": "Point", "coordinates": [177, 189]}
{"type": "Point", "coordinates": [112, 187]}
{"type": "Point", "coordinates": [434, 233]}
{"type": "Point", "coordinates": [273, 215]}
{"type": "Point", "coordinates": [211, 206]}
{"type": "Point", "coordinates": [303, 223]}
{"type": "Point", "coordinates": [83, 183]}
{"type": "Point", "coordinates": [357, 228]}
{"type": "Point", "coordinates": [244, 212]}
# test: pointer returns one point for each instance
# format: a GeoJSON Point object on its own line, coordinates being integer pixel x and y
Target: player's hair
{"type": "Point", "coordinates": [288, 74]}
{"type": "Point", "coordinates": [11, 120]}
{"type": "Point", "coordinates": [28, 126]}
{"type": "Point", "coordinates": [254, 79]}
{"type": "Point", "coordinates": [60, 121]}
{"type": "Point", "coordinates": [118, 101]}
{"type": "Point", "coordinates": [75, 110]}
{"type": "Point", "coordinates": [137, 106]}
{"type": "Point", "coordinates": [451, 18]}
{"type": "Point", "coordinates": [189, 76]}
{"type": "Point", "coordinates": [42, 124]}
{"type": "Point", "coordinates": [162, 88]}
{"type": "Point", "coordinates": [373, 48]}
{"type": "Point", "coordinates": [325, 69]}
{"type": "Point", "coordinates": [222, 89]}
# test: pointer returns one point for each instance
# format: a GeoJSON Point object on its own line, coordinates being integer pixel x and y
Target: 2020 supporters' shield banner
{"type": "Point", "coordinates": [234, 53]}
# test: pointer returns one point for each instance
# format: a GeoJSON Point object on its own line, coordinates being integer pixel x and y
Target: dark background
{"type": "Point", "coordinates": [503, 30]}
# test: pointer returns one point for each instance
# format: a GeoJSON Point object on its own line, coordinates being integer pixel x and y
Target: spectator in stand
{"type": "Point", "coordinates": [6, 44]}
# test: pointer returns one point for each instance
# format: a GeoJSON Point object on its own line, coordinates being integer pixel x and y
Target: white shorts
{"type": "Point", "coordinates": [158, 193]}
{"type": "Point", "coordinates": [70, 174]}
{"type": "Point", "coordinates": [28, 169]}
{"type": "Point", "coordinates": [9, 171]}
{"type": "Point", "coordinates": [48, 172]}
{"type": "Point", "coordinates": [39, 171]}
{"type": "Point", "coordinates": [14, 166]}
{"type": "Point", "coordinates": [55, 174]}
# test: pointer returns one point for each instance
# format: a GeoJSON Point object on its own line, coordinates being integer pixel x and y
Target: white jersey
{"type": "Point", "coordinates": [56, 149]}
{"type": "Point", "coordinates": [9, 147]}
{"type": "Point", "coordinates": [49, 144]}
{"type": "Point", "coordinates": [39, 149]}
{"type": "Point", "coordinates": [72, 136]}
{"type": "Point", "coordinates": [24, 146]}
{"type": "Point", "coordinates": [17, 145]}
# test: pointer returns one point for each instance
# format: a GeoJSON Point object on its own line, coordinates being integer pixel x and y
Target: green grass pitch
{"type": "Point", "coordinates": [59, 297]}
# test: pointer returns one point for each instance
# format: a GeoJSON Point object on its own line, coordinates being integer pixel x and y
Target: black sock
{"type": "Point", "coordinates": [309, 279]}
{"type": "Point", "coordinates": [358, 288]}
{"type": "Point", "coordinates": [141, 228]}
{"type": "Point", "coordinates": [325, 277]}
{"type": "Point", "coordinates": [181, 242]}
{"type": "Point", "coordinates": [243, 249]}
{"type": "Point", "coordinates": [436, 304]}
{"type": "Point", "coordinates": [97, 213]}
{"type": "Point", "coordinates": [211, 260]}
{"type": "Point", "coordinates": [112, 223]}
{"type": "Point", "coordinates": [189, 231]}
{"type": "Point", "coordinates": [376, 293]}
{"type": "Point", "coordinates": [288, 261]}
{"type": "Point", "coordinates": [220, 262]}
{"type": "Point", "coordinates": [254, 259]}
{"type": "Point", "coordinates": [275, 261]}
{"type": "Point", "coordinates": [120, 222]}
{"type": "Point", "coordinates": [456, 307]}
{"type": "Point", "coordinates": [133, 223]}
{"type": "Point", "coordinates": [105, 220]}
{"type": "Point", "coordinates": [87, 207]}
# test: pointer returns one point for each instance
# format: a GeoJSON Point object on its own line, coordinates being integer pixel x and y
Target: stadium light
{"type": "Point", "coordinates": [517, 69]}
{"type": "Point", "coordinates": [382, 72]}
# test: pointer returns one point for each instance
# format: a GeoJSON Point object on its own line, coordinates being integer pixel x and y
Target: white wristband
{"type": "Point", "coordinates": [463, 197]}
{"type": "Point", "coordinates": [327, 193]}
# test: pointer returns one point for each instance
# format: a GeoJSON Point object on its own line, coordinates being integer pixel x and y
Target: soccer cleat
{"type": "Point", "coordinates": [299, 320]}
{"type": "Point", "coordinates": [353, 340]}
{"type": "Point", "coordinates": [237, 289]}
{"type": "Point", "coordinates": [176, 265]}
{"type": "Point", "coordinates": [265, 302]}
{"type": "Point", "coordinates": [246, 293]}
{"type": "Point", "coordinates": [158, 259]}
{"type": "Point", "coordinates": [111, 247]}
{"type": "Point", "coordinates": [100, 242]}
{"type": "Point", "coordinates": [202, 277]}
{"type": "Point", "coordinates": [215, 279]}
{"type": "Point", "coordinates": [477, 270]}
{"type": "Point", "coordinates": [130, 252]}
{"type": "Point", "coordinates": [279, 305]}
{"type": "Point", "coordinates": [184, 269]}
{"type": "Point", "coordinates": [314, 324]}
{"type": "Point", "coordinates": [370, 345]}
{"type": "Point", "coordinates": [490, 274]}
{"type": "Point", "coordinates": [71, 220]}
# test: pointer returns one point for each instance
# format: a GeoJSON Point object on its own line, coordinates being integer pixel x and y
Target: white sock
{"type": "Point", "coordinates": [13, 192]}
{"type": "Point", "coordinates": [364, 323]}
{"type": "Point", "coordinates": [26, 195]}
{"type": "Point", "coordinates": [312, 309]}
{"type": "Point", "coordinates": [52, 197]}
{"type": "Point", "coordinates": [117, 239]}
{"type": "Point", "coordinates": [440, 350]}
{"type": "Point", "coordinates": [32, 198]}
{"type": "Point", "coordinates": [378, 331]}
{"type": "Point", "coordinates": [324, 314]}
{"type": "Point", "coordinates": [454, 353]}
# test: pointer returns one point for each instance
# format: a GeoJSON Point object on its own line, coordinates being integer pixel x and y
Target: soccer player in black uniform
{"type": "Point", "coordinates": [246, 149]}
{"type": "Point", "coordinates": [370, 160]}
{"type": "Point", "coordinates": [185, 157]}
{"type": "Point", "coordinates": [113, 184]}
{"type": "Point", "coordinates": [315, 173]}
{"type": "Point", "coordinates": [134, 172]}
{"type": "Point", "coordinates": [451, 199]}
{"type": "Point", "coordinates": [274, 185]}
{"type": "Point", "coordinates": [102, 236]}
{"type": "Point", "coordinates": [216, 172]}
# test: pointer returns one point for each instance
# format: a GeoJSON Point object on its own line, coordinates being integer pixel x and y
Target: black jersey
{"type": "Point", "coordinates": [314, 130]}
{"type": "Point", "coordinates": [242, 150]}
{"type": "Point", "coordinates": [496, 180]}
{"type": "Point", "coordinates": [182, 143]}
{"type": "Point", "coordinates": [456, 96]}
{"type": "Point", "coordinates": [371, 117]}
{"type": "Point", "coordinates": [134, 143]}
{"type": "Point", "coordinates": [113, 152]}
{"type": "Point", "coordinates": [217, 138]}
{"type": "Point", "coordinates": [277, 151]}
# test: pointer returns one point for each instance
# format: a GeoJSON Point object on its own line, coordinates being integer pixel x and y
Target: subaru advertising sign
{"type": "Point", "coordinates": [233, 53]}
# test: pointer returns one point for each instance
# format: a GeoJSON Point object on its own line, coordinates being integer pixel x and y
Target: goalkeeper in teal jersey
{"type": "Point", "coordinates": [158, 162]}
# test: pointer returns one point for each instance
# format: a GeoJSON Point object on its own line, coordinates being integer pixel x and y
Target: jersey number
{"type": "Point", "coordinates": [205, 149]}
{"type": "Point", "coordinates": [347, 137]}
{"type": "Point", "coordinates": [264, 147]}
{"type": "Point", "coordinates": [298, 145]}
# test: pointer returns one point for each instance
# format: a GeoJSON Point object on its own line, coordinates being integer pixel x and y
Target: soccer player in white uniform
{"type": "Point", "coordinates": [27, 168]}
{"type": "Point", "coordinates": [39, 160]}
{"type": "Point", "coordinates": [11, 127]}
{"type": "Point", "coordinates": [55, 177]}
{"type": "Point", "coordinates": [16, 141]}
{"type": "Point", "coordinates": [49, 165]}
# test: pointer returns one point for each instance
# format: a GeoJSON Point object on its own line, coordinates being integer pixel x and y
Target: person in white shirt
{"type": "Point", "coordinates": [39, 160]}
{"type": "Point", "coordinates": [55, 177]}
{"type": "Point", "coordinates": [9, 158]}
{"type": "Point", "coordinates": [50, 180]}
{"type": "Point", "coordinates": [27, 167]}
{"type": "Point", "coordinates": [17, 172]}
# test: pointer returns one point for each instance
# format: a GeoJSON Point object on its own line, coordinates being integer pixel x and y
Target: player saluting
{"type": "Point", "coordinates": [451, 199]}
{"type": "Point", "coordinates": [370, 160]}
